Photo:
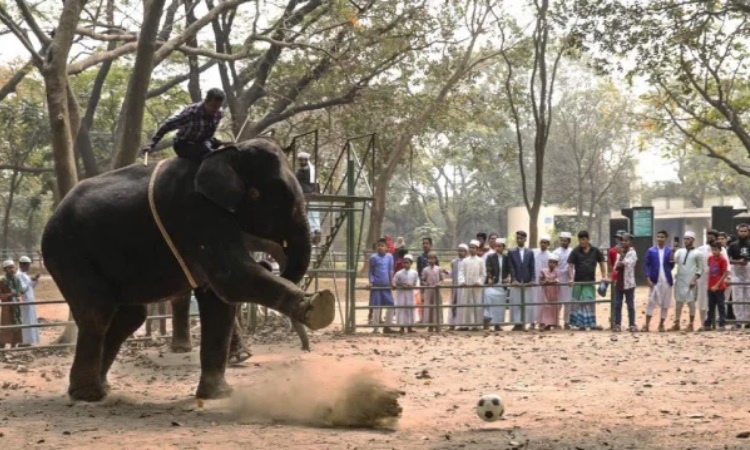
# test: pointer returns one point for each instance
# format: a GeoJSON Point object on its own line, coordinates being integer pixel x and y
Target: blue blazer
{"type": "Point", "coordinates": [523, 272]}
{"type": "Point", "coordinates": [651, 264]}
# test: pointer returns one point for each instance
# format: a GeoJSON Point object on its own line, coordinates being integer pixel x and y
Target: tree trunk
{"type": "Point", "coordinates": [14, 182]}
{"type": "Point", "coordinates": [130, 125]}
{"type": "Point", "coordinates": [54, 71]}
{"type": "Point", "coordinates": [194, 82]}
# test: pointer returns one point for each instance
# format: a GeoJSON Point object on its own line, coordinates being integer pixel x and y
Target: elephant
{"type": "Point", "coordinates": [127, 238]}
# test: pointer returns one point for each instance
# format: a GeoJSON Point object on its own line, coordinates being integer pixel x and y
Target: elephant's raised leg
{"type": "Point", "coordinates": [86, 373]}
{"type": "Point", "coordinates": [126, 321]}
{"type": "Point", "coordinates": [181, 342]}
{"type": "Point", "coordinates": [217, 321]}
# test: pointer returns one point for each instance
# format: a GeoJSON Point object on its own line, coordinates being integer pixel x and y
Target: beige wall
{"type": "Point", "coordinates": [518, 219]}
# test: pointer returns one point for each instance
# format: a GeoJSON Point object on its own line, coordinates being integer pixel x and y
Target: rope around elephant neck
{"type": "Point", "coordinates": [164, 234]}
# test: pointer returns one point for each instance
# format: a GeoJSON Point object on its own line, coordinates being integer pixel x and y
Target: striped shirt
{"type": "Point", "coordinates": [193, 124]}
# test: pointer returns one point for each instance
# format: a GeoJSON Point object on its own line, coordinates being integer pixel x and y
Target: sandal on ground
{"type": "Point", "coordinates": [239, 357]}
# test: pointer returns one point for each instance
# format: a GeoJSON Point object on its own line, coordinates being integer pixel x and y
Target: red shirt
{"type": "Point", "coordinates": [716, 269]}
{"type": "Point", "coordinates": [611, 261]}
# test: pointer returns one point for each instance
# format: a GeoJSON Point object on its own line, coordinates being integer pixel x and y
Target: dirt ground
{"type": "Point", "coordinates": [561, 389]}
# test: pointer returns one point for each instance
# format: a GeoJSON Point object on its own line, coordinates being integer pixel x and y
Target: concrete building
{"type": "Point", "coordinates": [675, 215]}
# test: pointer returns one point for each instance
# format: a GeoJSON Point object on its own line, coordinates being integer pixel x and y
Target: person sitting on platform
{"type": "Point", "coordinates": [306, 177]}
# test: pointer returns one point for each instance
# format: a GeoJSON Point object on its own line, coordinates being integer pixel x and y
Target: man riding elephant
{"type": "Point", "coordinates": [143, 234]}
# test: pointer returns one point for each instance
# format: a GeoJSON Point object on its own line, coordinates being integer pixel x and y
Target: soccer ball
{"type": "Point", "coordinates": [490, 407]}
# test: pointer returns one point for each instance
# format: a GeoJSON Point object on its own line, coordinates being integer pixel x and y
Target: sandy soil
{"type": "Point", "coordinates": [562, 390]}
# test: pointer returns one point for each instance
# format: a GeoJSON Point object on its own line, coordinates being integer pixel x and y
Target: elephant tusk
{"type": "Point", "coordinates": [256, 244]}
{"type": "Point", "coordinates": [285, 245]}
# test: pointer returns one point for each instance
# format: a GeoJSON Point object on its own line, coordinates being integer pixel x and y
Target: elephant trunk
{"type": "Point", "coordinates": [298, 248]}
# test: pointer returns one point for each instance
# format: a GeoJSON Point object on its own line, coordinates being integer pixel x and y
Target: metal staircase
{"type": "Point", "coordinates": [337, 202]}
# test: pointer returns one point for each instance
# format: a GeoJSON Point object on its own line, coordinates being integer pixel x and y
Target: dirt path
{"type": "Point", "coordinates": [562, 390]}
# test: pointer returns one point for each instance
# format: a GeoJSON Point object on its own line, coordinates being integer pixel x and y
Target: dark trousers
{"type": "Point", "coordinates": [716, 300]}
{"type": "Point", "coordinates": [629, 295]}
{"type": "Point", "coordinates": [194, 151]}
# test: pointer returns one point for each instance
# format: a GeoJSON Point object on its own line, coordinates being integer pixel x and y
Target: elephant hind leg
{"type": "Point", "coordinates": [126, 321]}
{"type": "Point", "coordinates": [85, 374]}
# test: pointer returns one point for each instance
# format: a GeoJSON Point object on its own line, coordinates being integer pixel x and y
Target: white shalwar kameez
{"type": "Point", "coordinates": [566, 292]}
{"type": "Point", "coordinates": [541, 258]}
{"type": "Point", "coordinates": [471, 272]}
{"type": "Point", "coordinates": [28, 312]}
{"type": "Point", "coordinates": [689, 263]}
{"type": "Point", "coordinates": [405, 297]}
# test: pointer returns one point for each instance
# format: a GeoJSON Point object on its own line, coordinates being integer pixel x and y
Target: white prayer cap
{"type": "Point", "coordinates": [690, 234]}
{"type": "Point", "coordinates": [545, 238]}
{"type": "Point", "coordinates": [24, 259]}
{"type": "Point", "coordinates": [303, 155]}
{"type": "Point", "coordinates": [501, 241]}
{"type": "Point", "coordinates": [463, 246]}
{"type": "Point", "coordinates": [565, 235]}
{"type": "Point", "coordinates": [8, 263]}
{"type": "Point", "coordinates": [409, 257]}
{"type": "Point", "coordinates": [474, 242]}
{"type": "Point", "coordinates": [554, 257]}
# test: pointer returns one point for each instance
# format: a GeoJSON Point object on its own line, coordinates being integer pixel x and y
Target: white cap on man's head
{"type": "Point", "coordinates": [501, 241]}
{"type": "Point", "coordinates": [554, 257]}
{"type": "Point", "coordinates": [565, 235]}
{"type": "Point", "coordinates": [463, 246]}
{"type": "Point", "coordinates": [303, 155]}
{"type": "Point", "coordinates": [8, 263]}
{"type": "Point", "coordinates": [24, 259]}
{"type": "Point", "coordinates": [690, 234]}
{"type": "Point", "coordinates": [474, 242]}
{"type": "Point", "coordinates": [409, 257]}
{"type": "Point", "coordinates": [545, 238]}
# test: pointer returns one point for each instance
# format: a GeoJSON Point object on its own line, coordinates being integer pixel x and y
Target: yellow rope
{"type": "Point", "coordinates": [163, 231]}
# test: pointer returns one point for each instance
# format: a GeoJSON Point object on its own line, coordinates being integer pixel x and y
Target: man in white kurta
{"type": "Point", "coordinates": [690, 266]}
{"type": "Point", "coordinates": [541, 258]}
{"type": "Point", "coordinates": [28, 312]}
{"type": "Point", "coordinates": [566, 292]}
{"type": "Point", "coordinates": [472, 274]}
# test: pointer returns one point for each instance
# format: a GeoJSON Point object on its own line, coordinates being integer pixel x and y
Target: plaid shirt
{"type": "Point", "coordinates": [192, 124]}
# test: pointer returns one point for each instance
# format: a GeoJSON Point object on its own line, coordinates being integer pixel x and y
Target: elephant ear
{"type": "Point", "coordinates": [218, 181]}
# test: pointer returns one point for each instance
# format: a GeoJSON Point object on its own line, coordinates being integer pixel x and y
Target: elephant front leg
{"type": "Point", "coordinates": [181, 342]}
{"type": "Point", "coordinates": [217, 321]}
{"type": "Point", "coordinates": [243, 280]}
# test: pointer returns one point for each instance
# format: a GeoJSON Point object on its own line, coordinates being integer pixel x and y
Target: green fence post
{"type": "Point", "coordinates": [523, 304]}
{"type": "Point", "coordinates": [351, 256]}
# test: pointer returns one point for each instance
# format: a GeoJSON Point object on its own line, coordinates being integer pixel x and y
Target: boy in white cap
{"type": "Point", "coordinates": [463, 252]}
{"type": "Point", "coordinates": [541, 256]}
{"type": "Point", "coordinates": [306, 177]}
{"type": "Point", "coordinates": [472, 274]}
{"type": "Point", "coordinates": [28, 312]}
{"type": "Point", "coordinates": [566, 292]}
{"type": "Point", "coordinates": [405, 281]}
{"type": "Point", "coordinates": [690, 266]}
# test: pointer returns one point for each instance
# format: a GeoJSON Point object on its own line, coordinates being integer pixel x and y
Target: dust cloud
{"type": "Point", "coordinates": [320, 393]}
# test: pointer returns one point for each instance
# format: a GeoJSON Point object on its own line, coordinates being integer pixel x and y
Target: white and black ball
{"type": "Point", "coordinates": [490, 407]}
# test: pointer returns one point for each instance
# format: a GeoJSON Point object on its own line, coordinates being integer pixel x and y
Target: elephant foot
{"type": "Point", "coordinates": [211, 390]}
{"type": "Point", "coordinates": [89, 392]}
{"type": "Point", "coordinates": [319, 310]}
{"type": "Point", "coordinates": [181, 346]}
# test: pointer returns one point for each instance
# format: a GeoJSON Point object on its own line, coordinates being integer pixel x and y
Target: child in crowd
{"type": "Point", "coordinates": [405, 281]}
{"type": "Point", "coordinates": [549, 277]}
{"type": "Point", "coordinates": [472, 275]}
{"type": "Point", "coordinates": [718, 271]}
{"type": "Point", "coordinates": [431, 276]}
{"type": "Point", "coordinates": [463, 251]}
{"type": "Point", "coordinates": [381, 276]}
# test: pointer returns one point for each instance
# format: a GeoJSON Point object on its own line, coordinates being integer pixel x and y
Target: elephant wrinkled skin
{"type": "Point", "coordinates": [107, 256]}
